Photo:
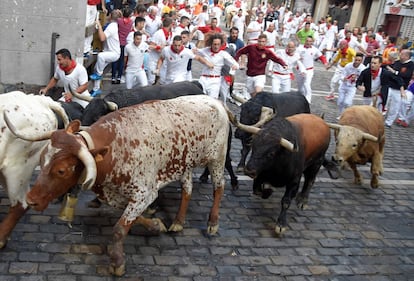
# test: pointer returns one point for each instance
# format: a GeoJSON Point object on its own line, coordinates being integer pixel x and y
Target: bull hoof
{"type": "Point", "coordinates": [301, 202]}
{"type": "Point", "coordinates": [235, 184]}
{"type": "Point", "coordinates": [3, 243]}
{"type": "Point", "coordinates": [176, 227]}
{"type": "Point", "coordinates": [117, 270]}
{"type": "Point", "coordinates": [240, 169]}
{"type": "Point", "coordinates": [158, 225]}
{"type": "Point", "coordinates": [374, 183]}
{"type": "Point", "coordinates": [279, 230]}
{"type": "Point", "coordinates": [358, 181]}
{"type": "Point", "coordinates": [212, 229]}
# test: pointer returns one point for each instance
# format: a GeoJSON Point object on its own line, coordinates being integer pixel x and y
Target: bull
{"type": "Point", "coordinates": [284, 105]}
{"type": "Point", "coordinates": [283, 150]}
{"type": "Point", "coordinates": [18, 158]}
{"type": "Point", "coordinates": [100, 106]}
{"type": "Point", "coordinates": [360, 139]}
{"type": "Point", "coordinates": [128, 155]}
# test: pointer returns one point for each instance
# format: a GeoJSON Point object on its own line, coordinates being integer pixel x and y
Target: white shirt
{"type": "Point", "coordinates": [135, 56]}
{"type": "Point", "coordinates": [291, 61]}
{"type": "Point", "coordinates": [308, 55]}
{"type": "Point", "coordinates": [130, 37]}
{"type": "Point", "coordinates": [257, 27]}
{"type": "Point", "coordinates": [176, 63]}
{"type": "Point", "coordinates": [218, 59]}
{"type": "Point", "coordinates": [202, 19]}
{"type": "Point", "coordinates": [77, 78]}
{"type": "Point", "coordinates": [159, 39]}
{"type": "Point", "coordinates": [111, 43]}
{"type": "Point", "coordinates": [152, 25]}
{"type": "Point", "coordinates": [350, 70]}
{"type": "Point", "coordinates": [239, 22]}
{"type": "Point", "coordinates": [271, 38]}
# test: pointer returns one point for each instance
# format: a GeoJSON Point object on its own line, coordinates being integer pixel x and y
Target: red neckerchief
{"type": "Point", "coordinates": [68, 68]}
{"type": "Point", "coordinates": [181, 49]}
{"type": "Point", "coordinates": [366, 38]}
{"type": "Point", "coordinates": [260, 21]}
{"type": "Point", "coordinates": [126, 20]}
{"type": "Point", "coordinates": [329, 26]}
{"type": "Point", "coordinates": [223, 47]}
{"type": "Point", "coordinates": [374, 73]}
{"type": "Point", "coordinates": [289, 20]}
{"type": "Point", "coordinates": [390, 45]}
{"type": "Point", "coordinates": [344, 51]}
{"type": "Point", "coordinates": [348, 39]}
{"type": "Point", "coordinates": [167, 33]}
{"type": "Point", "coordinates": [288, 54]}
{"type": "Point", "coordinates": [268, 30]}
{"type": "Point", "coordinates": [151, 16]}
{"type": "Point", "coordinates": [307, 47]}
{"type": "Point", "coordinates": [181, 25]}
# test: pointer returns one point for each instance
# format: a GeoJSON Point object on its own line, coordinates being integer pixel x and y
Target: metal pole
{"type": "Point", "coordinates": [55, 35]}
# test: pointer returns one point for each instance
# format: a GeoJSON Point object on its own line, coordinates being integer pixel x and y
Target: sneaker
{"type": "Point", "coordinates": [404, 124]}
{"type": "Point", "coordinates": [95, 76]}
{"type": "Point", "coordinates": [113, 81]}
{"type": "Point", "coordinates": [330, 97]}
{"type": "Point", "coordinates": [398, 122]}
{"type": "Point", "coordinates": [118, 81]}
{"type": "Point", "coordinates": [96, 93]}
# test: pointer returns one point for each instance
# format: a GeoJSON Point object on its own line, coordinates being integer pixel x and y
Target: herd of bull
{"type": "Point", "coordinates": [126, 146]}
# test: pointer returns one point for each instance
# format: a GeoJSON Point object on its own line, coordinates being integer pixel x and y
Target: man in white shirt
{"type": "Point", "coordinates": [210, 78]}
{"type": "Point", "coordinates": [330, 32]}
{"type": "Point", "coordinates": [281, 76]}
{"type": "Point", "coordinates": [111, 51]}
{"type": "Point", "coordinates": [134, 61]}
{"type": "Point", "coordinates": [176, 59]}
{"type": "Point", "coordinates": [152, 20]}
{"type": "Point", "coordinates": [239, 21]}
{"type": "Point", "coordinates": [73, 76]}
{"type": "Point", "coordinates": [254, 29]}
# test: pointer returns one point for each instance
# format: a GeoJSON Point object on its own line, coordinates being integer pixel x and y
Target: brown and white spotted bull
{"type": "Point", "coordinates": [360, 139]}
{"type": "Point", "coordinates": [128, 155]}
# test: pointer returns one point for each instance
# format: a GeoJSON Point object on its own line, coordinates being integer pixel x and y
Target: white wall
{"type": "Point", "coordinates": [26, 36]}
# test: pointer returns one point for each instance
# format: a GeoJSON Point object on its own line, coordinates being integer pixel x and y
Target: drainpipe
{"type": "Point", "coordinates": [52, 53]}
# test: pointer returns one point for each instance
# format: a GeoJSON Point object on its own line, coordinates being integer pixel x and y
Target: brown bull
{"type": "Point", "coordinates": [360, 139]}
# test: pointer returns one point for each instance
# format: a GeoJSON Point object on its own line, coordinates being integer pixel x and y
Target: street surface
{"type": "Point", "coordinates": [348, 232]}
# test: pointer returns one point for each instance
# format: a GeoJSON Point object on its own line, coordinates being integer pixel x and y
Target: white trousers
{"type": "Point", "coordinates": [211, 85]}
{"type": "Point", "coordinates": [133, 79]}
{"type": "Point", "coordinates": [336, 78]}
{"type": "Point", "coordinates": [281, 83]}
{"type": "Point", "coordinates": [91, 13]}
{"type": "Point", "coordinates": [304, 84]}
{"type": "Point", "coordinates": [406, 112]}
{"type": "Point", "coordinates": [346, 94]}
{"type": "Point", "coordinates": [394, 105]}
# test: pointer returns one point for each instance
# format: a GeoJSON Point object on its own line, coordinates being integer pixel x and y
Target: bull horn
{"type": "Point", "coordinates": [88, 177]}
{"type": "Point", "coordinates": [26, 137]}
{"type": "Point", "coordinates": [239, 99]}
{"type": "Point", "coordinates": [334, 126]}
{"type": "Point", "coordinates": [287, 144]}
{"type": "Point", "coordinates": [235, 122]}
{"type": "Point", "coordinates": [369, 137]}
{"type": "Point", "coordinates": [266, 115]}
{"type": "Point", "coordinates": [111, 105]}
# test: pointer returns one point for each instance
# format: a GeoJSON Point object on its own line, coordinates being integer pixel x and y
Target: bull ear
{"type": "Point", "coordinates": [370, 137]}
{"type": "Point", "coordinates": [99, 153]}
{"type": "Point", "coordinates": [73, 127]}
{"type": "Point", "coordinates": [287, 144]}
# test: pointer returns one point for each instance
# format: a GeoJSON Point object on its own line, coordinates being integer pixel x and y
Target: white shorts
{"type": "Point", "coordinates": [255, 81]}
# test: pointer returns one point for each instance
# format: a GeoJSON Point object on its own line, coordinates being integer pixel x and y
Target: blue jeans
{"type": "Point", "coordinates": [118, 66]}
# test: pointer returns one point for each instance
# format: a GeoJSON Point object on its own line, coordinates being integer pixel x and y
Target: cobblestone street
{"type": "Point", "coordinates": [348, 232]}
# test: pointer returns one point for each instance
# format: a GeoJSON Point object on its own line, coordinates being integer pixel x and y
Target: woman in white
{"type": "Point", "coordinates": [134, 60]}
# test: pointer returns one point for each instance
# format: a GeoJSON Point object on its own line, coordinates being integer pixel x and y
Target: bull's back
{"type": "Point", "coordinates": [315, 133]}
{"type": "Point", "coordinates": [285, 104]}
{"type": "Point", "coordinates": [365, 118]}
{"type": "Point", "coordinates": [167, 137]}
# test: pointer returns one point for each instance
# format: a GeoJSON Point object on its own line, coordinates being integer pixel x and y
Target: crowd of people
{"type": "Point", "coordinates": [158, 44]}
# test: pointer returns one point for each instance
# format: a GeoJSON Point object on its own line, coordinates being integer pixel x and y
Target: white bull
{"type": "Point", "coordinates": [18, 158]}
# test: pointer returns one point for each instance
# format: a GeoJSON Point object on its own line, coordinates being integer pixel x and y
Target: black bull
{"type": "Point", "coordinates": [285, 104]}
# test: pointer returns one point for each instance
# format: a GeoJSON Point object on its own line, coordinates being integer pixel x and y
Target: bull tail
{"type": "Point", "coordinates": [331, 167]}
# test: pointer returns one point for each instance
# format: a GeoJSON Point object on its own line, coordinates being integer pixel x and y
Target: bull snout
{"type": "Point", "coordinates": [337, 159]}
{"type": "Point", "coordinates": [35, 204]}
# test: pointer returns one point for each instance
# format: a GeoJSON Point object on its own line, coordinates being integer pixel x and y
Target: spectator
{"type": "Point", "coordinates": [124, 28]}
{"type": "Point", "coordinates": [134, 61]}
{"type": "Point", "coordinates": [258, 56]}
{"type": "Point", "coordinates": [111, 50]}
{"type": "Point", "coordinates": [72, 75]}
{"type": "Point", "coordinates": [91, 17]}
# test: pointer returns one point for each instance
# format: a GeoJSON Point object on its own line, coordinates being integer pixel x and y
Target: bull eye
{"type": "Point", "coordinates": [354, 146]}
{"type": "Point", "coordinates": [61, 172]}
